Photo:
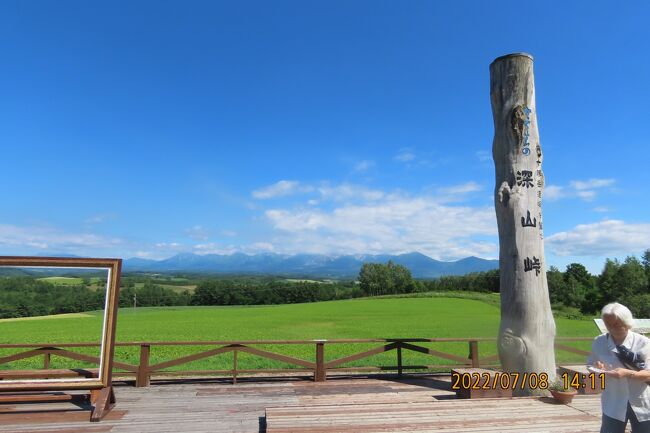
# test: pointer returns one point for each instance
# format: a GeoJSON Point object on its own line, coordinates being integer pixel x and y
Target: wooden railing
{"type": "Point", "coordinates": [319, 367]}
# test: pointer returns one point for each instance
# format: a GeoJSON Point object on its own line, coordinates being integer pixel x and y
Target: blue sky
{"type": "Point", "coordinates": [144, 129]}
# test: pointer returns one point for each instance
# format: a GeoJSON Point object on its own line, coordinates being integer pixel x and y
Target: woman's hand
{"type": "Point", "coordinates": [620, 372]}
{"type": "Point", "coordinates": [602, 366]}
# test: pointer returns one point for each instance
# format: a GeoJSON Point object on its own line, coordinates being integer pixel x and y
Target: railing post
{"type": "Point", "coordinates": [143, 378]}
{"type": "Point", "coordinates": [320, 374]}
{"type": "Point", "coordinates": [234, 367]}
{"type": "Point", "coordinates": [47, 357]}
{"type": "Point", "coordinates": [399, 361]}
{"type": "Point", "coordinates": [473, 353]}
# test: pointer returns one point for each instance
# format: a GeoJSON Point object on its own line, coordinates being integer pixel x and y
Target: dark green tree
{"type": "Point", "coordinates": [381, 279]}
{"type": "Point", "coordinates": [607, 281]}
{"type": "Point", "coordinates": [374, 279]}
{"type": "Point", "coordinates": [401, 277]}
{"type": "Point", "coordinates": [577, 283]}
{"type": "Point", "coordinates": [630, 279]}
{"type": "Point", "coordinates": [646, 265]}
{"type": "Point", "coordinates": [556, 285]}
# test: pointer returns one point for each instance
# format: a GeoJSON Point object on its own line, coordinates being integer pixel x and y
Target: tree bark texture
{"type": "Point", "coordinates": [527, 330]}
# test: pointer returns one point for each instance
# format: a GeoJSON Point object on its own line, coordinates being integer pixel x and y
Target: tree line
{"type": "Point", "coordinates": [627, 282]}
{"type": "Point", "coordinates": [27, 297]}
{"type": "Point", "coordinates": [232, 292]}
{"type": "Point", "coordinates": [377, 279]}
{"type": "Point", "coordinates": [573, 290]}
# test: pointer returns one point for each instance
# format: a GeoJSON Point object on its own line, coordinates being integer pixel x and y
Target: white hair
{"type": "Point", "coordinates": [620, 311]}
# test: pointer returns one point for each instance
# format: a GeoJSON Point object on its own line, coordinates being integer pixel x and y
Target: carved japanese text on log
{"type": "Point", "coordinates": [527, 330]}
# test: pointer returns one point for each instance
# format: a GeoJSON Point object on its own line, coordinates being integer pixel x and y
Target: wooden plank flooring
{"type": "Point", "coordinates": [364, 405]}
{"type": "Point", "coordinates": [482, 415]}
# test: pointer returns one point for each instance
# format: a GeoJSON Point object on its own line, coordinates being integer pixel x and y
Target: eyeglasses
{"type": "Point", "coordinates": [616, 326]}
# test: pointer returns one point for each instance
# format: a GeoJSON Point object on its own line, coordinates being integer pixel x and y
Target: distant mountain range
{"type": "Point", "coordinates": [304, 265]}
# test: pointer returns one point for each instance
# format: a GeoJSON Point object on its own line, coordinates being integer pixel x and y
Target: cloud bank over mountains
{"type": "Point", "coordinates": [293, 217]}
{"type": "Point", "coordinates": [602, 238]}
{"type": "Point", "coordinates": [305, 265]}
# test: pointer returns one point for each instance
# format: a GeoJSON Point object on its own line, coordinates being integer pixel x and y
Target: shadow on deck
{"type": "Point", "coordinates": [342, 404]}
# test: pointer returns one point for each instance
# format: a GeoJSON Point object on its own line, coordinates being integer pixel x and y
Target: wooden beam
{"type": "Point", "coordinates": [189, 358]}
{"type": "Point", "coordinates": [88, 358]}
{"type": "Point", "coordinates": [278, 357]}
{"type": "Point", "coordinates": [432, 352]}
{"type": "Point", "coordinates": [361, 355]}
{"type": "Point", "coordinates": [22, 355]}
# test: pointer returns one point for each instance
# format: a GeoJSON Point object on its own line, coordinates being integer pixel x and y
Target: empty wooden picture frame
{"type": "Point", "coordinates": [107, 349]}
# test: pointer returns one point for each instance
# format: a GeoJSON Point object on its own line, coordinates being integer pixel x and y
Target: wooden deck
{"type": "Point", "coordinates": [422, 403]}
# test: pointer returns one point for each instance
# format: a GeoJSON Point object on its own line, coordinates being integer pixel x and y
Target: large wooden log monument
{"type": "Point", "coordinates": [527, 330]}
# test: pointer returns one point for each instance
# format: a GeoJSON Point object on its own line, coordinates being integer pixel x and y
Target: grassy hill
{"type": "Point", "coordinates": [432, 317]}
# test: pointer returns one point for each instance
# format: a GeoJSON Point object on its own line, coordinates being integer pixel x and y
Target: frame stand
{"type": "Point", "coordinates": [102, 401]}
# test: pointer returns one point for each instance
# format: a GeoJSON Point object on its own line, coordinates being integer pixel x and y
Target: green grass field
{"type": "Point", "coordinates": [73, 281]}
{"type": "Point", "coordinates": [174, 287]}
{"type": "Point", "coordinates": [421, 317]}
{"type": "Point", "coordinates": [62, 281]}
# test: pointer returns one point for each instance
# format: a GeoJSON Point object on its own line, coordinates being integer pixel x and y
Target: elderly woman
{"type": "Point", "coordinates": [622, 353]}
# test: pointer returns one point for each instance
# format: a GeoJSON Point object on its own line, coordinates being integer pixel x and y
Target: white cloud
{"type": "Point", "coordinates": [17, 240]}
{"type": "Point", "coordinates": [601, 209]}
{"type": "Point", "coordinates": [605, 238]}
{"type": "Point", "coordinates": [553, 192]}
{"type": "Point", "coordinates": [45, 238]}
{"type": "Point", "coordinates": [258, 247]}
{"type": "Point", "coordinates": [484, 155]}
{"type": "Point", "coordinates": [228, 233]}
{"type": "Point", "coordinates": [326, 191]}
{"type": "Point", "coordinates": [280, 189]}
{"type": "Point", "coordinates": [215, 248]}
{"type": "Point", "coordinates": [96, 219]}
{"type": "Point", "coordinates": [394, 224]}
{"type": "Point", "coordinates": [585, 190]}
{"type": "Point", "coordinates": [347, 191]}
{"type": "Point", "coordinates": [581, 185]}
{"type": "Point", "coordinates": [206, 248]}
{"type": "Point", "coordinates": [168, 245]}
{"type": "Point", "coordinates": [364, 165]}
{"type": "Point", "coordinates": [405, 155]}
{"type": "Point", "coordinates": [410, 158]}
{"type": "Point", "coordinates": [198, 233]}
{"type": "Point", "coordinates": [461, 189]}
{"type": "Point", "coordinates": [586, 195]}
{"type": "Point", "coordinates": [100, 218]}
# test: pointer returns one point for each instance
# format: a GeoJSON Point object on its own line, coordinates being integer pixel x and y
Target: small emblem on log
{"type": "Point", "coordinates": [521, 128]}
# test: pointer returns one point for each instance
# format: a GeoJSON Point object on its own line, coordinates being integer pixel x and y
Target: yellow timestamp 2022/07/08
{"type": "Point", "coordinates": [502, 380]}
